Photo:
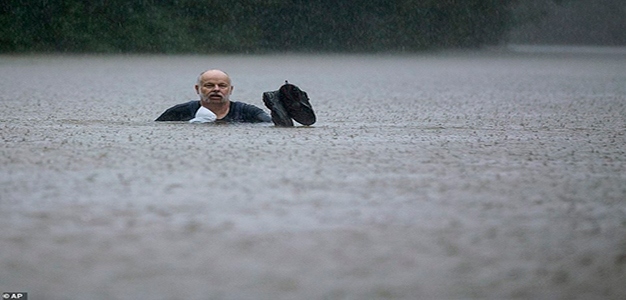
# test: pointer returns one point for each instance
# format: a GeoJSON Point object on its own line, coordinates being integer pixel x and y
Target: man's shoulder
{"type": "Point", "coordinates": [245, 112]}
{"type": "Point", "coordinates": [246, 107]}
{"type": "Point", "coordinates": [180, 112]}
{"type": "Point", "coordinates": [190, 104]}
{"type": "Point", "coordinates": [243, 105]}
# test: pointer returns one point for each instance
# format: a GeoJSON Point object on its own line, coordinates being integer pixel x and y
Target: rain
{"type": "Point", "coordinates": [462, 150]}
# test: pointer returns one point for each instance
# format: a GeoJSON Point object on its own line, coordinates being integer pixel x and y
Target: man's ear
{"type": "Point", "coordinates": [197, 88]}
{"type": "Point", "coordinates": [232, 87]}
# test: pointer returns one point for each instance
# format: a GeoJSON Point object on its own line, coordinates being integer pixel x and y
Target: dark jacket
{"type": "Point", "coordinates": [239, 112]}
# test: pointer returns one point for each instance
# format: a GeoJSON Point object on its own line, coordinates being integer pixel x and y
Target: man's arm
{"type": "Point", "coordinates": [264, 117]}
{"type": "Point", "coordinates": [254, 114]}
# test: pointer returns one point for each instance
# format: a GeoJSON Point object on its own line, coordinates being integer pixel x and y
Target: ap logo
{"type": "Point", "coordinates": [15, 295]}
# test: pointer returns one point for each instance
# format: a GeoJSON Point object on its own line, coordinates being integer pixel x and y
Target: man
{"type": "Point", "coordinates": [214, 88]}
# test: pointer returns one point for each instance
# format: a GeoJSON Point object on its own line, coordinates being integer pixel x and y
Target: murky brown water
{"type": "Point", "coordinates": [450, 176]}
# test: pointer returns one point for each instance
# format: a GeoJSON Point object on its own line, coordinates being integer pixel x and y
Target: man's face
{"type": "Point", "coordinates": [214, 87]}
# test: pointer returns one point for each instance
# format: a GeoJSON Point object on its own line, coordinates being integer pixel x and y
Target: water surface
{"type": "Point", "coordinates": [461, 175]}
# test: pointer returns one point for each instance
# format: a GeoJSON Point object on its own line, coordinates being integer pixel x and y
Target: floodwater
{"type": "Point", "coordinates": [494, 174]}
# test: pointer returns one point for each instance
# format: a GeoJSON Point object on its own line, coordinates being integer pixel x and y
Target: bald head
{"type": "Point", "coordinates": [214, 73]}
